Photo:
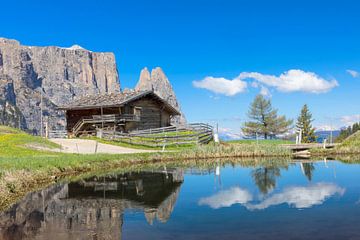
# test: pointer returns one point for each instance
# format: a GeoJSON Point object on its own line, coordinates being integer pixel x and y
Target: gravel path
{"type": "Point", "coordinates": [84, 146]}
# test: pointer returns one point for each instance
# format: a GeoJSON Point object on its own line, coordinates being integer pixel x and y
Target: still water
{"type": "Point", "coordinates": [296, 200]}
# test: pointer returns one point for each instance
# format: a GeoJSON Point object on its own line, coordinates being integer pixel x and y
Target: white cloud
{"type": "Point", "coordinates": [293, 81]}
{"type": "Point", "coordinates": [227, 198]}
{"type": "Point", "coordinates": [265, 92]}
{"type": "Point", "coordinates": [353, 73]}
{"type": "Point", "coordinates": [222, 85]}
{"type": "Point", "coordinates": [327, 127]}
{"type": "Point", "coordinates": [229, 134]}
{"type": "Point", "coordinates": [350, 119]}
{"type": "Point", "coordinates": [300, 197]}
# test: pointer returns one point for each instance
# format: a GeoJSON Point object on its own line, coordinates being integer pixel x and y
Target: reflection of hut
{"type": "Point", "coordinates": [92, 208]}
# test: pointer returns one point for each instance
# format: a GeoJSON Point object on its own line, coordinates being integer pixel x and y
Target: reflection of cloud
{"type": "Point", "coordinates": [297, 196]}
{"type": "Point", "coordinates": [301, 197]}
{"type": "Point", "coordinates": [227, 198]}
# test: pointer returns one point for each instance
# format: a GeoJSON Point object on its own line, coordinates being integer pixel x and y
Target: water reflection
{"type": "Point", "coordinates": [214, 202]}
{"type": "Point", "coordinates": [265, 178]}
{"type": "Point", "coordinates": [92, 208]}
{"type": "Point", "coordinates": [296, 196]}
{"type": "Point", "coordinates": [308, 169]}
{"type": "Point", "coordinates": [227, 198]}
{"type": "Point", "coordinates": [300, 196]}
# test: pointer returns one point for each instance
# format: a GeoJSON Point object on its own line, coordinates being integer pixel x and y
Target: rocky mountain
{"type": "Point", "coordinates": [161, 85]}
{"type": "Point", "coordinates": [35, 79]}
{"type": "Point", "coordinates": [32, 78]}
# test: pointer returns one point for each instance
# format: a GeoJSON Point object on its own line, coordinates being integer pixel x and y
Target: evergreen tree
{"type": "Point", "coordinates": [304, 124]}
{"type": "Point", "coordinates": [264, 120]}
{"type": "Point", "coordinates": [344, 133]}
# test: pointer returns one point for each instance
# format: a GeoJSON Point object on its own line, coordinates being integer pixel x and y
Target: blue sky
{"type": "Point", "coordinates": [192, 40]}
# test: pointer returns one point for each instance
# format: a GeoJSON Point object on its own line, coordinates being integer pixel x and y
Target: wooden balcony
{"type": "Point", "coordinates": [101, 119]}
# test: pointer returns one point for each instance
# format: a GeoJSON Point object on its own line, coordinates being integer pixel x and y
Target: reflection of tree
{"type": "Point", "coordinates": [308, 170]}
{"type": "Point", "coordinates": [265, 178]}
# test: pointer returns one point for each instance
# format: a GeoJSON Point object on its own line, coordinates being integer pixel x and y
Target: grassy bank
{"type": "Point", "coordinates": [23, 167]}
{"type": "Point", "coordinates": [350, 146]}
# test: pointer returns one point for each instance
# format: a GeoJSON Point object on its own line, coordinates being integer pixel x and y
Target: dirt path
{"type": "Point", "coordinates": [84, 146]}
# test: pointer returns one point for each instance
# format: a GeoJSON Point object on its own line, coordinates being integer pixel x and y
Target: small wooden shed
{"type": "Point", "coordinates": [125, 112]}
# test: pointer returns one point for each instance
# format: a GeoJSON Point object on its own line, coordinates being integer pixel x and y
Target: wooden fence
{"type": "Point", "coordinates": [57, 134]}
{"type": "Point", "coordinates": [195, 133]}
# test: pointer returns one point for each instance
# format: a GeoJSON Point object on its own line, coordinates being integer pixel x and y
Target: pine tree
{"type": "Point", "coordinates": [304, 124]}
{"type": "Point", "coordinates": [344, 133]}
{"type": "Point", "coordinates": [265, 120]}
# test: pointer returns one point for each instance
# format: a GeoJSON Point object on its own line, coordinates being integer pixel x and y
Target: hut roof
{"type": "Point", "coordinates": [114, 100]}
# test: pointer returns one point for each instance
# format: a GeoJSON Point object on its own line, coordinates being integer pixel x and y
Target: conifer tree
{"type": "Point", "coordinates": [264, 120]}
{"type": "Point", "coordinates": [304, 123]}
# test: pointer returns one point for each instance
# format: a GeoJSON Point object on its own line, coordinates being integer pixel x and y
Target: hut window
{"type": "Point", "coordinates": [137, 111]}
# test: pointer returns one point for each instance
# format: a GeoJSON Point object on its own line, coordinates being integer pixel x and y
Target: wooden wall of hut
{"type": "Point", "coordinates": [152, 115]}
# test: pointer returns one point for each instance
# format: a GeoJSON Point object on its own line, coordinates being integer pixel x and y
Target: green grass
{"type": "Point", "coordinates": [7, 130]}
{"type": "Point", "coordinates": [350, 145]}
{"type": "Point", "coordinates": [17, 153]}
{"type": "Point", "coordinates": [262, 142]}
{"type": "Point", "coordinates": [122, 144]}
{"type": "Point", "coordinates": [15, 143]}
{"type": "Point", "coordinates": [235, 150]}
{"type": "Point", "coordinates": [140, 146]}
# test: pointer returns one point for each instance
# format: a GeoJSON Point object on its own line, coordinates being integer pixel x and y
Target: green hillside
{"type": "Point", "coordinates": [351, 144]}
{"type": "Point", "coordinates": [16, 143]}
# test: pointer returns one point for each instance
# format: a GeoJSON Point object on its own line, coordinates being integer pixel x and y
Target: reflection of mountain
{"type": "Point", "coordinates": [92, 208]}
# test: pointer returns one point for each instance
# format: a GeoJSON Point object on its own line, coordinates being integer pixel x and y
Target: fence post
{"type": "Point", "coordinates": [96, 147]}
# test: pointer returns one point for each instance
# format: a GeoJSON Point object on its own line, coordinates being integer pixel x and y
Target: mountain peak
{"type": "Point", "coordinates": [9, 41]}
{"type": "Point", "coordinates": [160, 84]}
{"type": "Point", "coordinates": [76, 47]}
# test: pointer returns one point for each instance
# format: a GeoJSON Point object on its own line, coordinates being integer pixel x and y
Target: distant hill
{"type": "Point", "coordinates": [321, 135]}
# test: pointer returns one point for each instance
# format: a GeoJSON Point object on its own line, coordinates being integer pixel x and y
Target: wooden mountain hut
{"type": "Point", "coordinates": [124, 112]}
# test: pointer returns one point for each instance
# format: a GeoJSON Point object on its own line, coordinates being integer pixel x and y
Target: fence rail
{"type": "Point", "coordinates": [57, 134]}
{"type": "Point", "coordinates": [97, 119]}
{"type": "Point", "coordinates": [195, 133]}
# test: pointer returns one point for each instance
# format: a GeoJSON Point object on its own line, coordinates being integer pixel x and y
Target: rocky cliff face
{"type": "Point", "coordinates": [31, 77]}
{"type": "Point", "coordinates": [158, 82]}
